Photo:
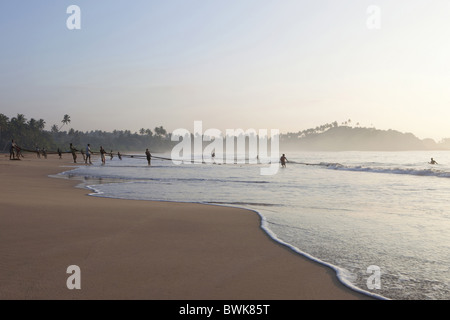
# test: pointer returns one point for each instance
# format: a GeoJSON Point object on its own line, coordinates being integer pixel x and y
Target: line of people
{"type": "Point", "coordinates": [87, 153]}
{"type": "Point", "coordinates": [42, 151]}
{"type": "Point", "coordinates": [15, 152]}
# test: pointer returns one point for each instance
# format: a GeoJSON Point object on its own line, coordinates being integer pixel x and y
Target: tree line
{"type": "Point", "coordinates": [31, 134]}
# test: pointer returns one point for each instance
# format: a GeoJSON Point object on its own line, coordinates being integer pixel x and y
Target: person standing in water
{"type": "Point", "coordinates": [283, 161]}
{"type": "Point", "coordinates": [433, 161]}
{"type": "Point", "coordinates": [149, 156]}
{"type": "Point", "coordinates": [88, 154]}
{"type": "Point", "coordinates": [102, 154]}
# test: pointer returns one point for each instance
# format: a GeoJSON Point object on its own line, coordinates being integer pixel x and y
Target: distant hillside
{"type": "Point", "coordinates": [345, 138]}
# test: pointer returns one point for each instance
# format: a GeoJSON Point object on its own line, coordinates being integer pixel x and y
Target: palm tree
{"type": "Point", "coordinates": [21, 118]}
{"type": "Point", "coordinates": [18, 126]}
{"type": "Point", "coordinates": [41, 124]}
{"type": "Point", "coordinates": [18, 123]}
{"type": "Point", "coordinates": [65, 120]}
{"type": "Point", "coordinates": [160, 131]}
{"type": "Point", "coordinates": [54, 129]}
{"type": "Point", "coordinates": [3, 124]}
{"type": "Point", "coordinates": [32, 123]}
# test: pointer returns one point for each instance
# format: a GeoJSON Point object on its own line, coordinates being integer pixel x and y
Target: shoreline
{"type": "Point", "coordinates": [152, 249]}
{"type": "Point", "coordinates": [339, 272]}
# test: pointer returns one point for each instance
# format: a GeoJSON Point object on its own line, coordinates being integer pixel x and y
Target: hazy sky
{"type": "Point", "coordinates": [284, 64]}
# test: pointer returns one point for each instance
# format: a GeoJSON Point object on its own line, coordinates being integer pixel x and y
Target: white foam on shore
{"type": "Point", "coordinates": [342, 274]}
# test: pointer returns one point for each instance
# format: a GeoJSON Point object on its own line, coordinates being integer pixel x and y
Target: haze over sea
{"type": "Point", "coordinates": [349, 210]}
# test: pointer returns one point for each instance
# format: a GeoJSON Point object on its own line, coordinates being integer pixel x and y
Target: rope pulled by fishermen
{"type": "Point", "coordinates": [86, 154]}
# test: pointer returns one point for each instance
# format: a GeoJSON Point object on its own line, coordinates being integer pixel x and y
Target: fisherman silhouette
{"type": "Point", "coordinates": [149, 156]}
{"type": "Point", "coordinates": [283, 160]}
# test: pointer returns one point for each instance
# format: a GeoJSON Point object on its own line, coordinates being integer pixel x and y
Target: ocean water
{"type": "Point", "coordinates": [380, 219]}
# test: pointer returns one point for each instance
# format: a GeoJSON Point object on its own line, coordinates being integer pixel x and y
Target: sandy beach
{"type": "Point", "coordinates": [128, 249]}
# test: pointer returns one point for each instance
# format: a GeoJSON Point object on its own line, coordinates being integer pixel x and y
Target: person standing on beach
{"type": "Point", "coordinates": [83, 155]}
{"type": "Point", "coordinates": [111, 155]}
{"type": "Point", "coordinates": [12, 148]}
{"type": "Point", "coordinates": [74, 152]}
{"type": "Point", "coordinates": [59, 153]}
{"type": "Point", "coordinates": [102, 154]}
{"type": "Point", "coordinates": [38, 153]}
{"type": "Point", "coordinates": [283, 161]}
{"type": "Point", "coordinates": [44, 152]}
{"type": "Point", "coordinates": [18, 152]}
{"type": "Point", "coordinates": [88, 154]}
{"type": "Point", "coordinates": [149, 156]}
{"type": "Point", "coordinates": [14, 151]}
{"type": "Point", "coordinates": [119, 155]}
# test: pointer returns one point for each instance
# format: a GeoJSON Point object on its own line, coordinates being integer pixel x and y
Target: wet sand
{"type": "Point", "coordinates": [129, 249]}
